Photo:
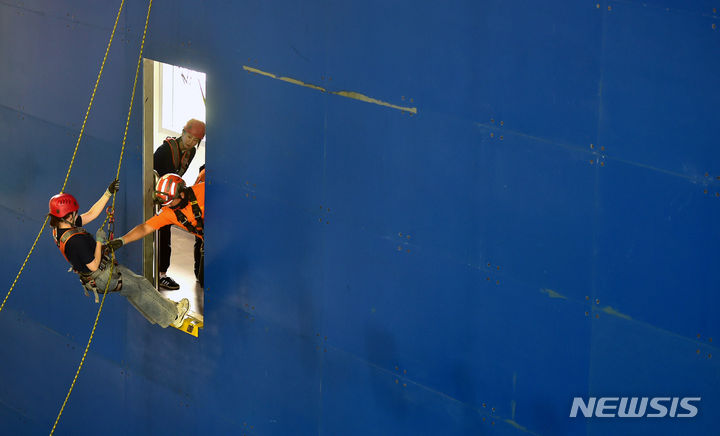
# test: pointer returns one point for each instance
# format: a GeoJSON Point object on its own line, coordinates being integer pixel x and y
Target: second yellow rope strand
{"type": "Point", "coordinates": [122, 150]}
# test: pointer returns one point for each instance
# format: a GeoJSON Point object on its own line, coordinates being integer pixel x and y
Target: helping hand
{"type": "Point", "coordinates": [115, 244]}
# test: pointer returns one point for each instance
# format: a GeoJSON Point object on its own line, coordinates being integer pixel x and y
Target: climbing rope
{"type": "Point", "coordinates": [23, 264]}
{"type": "Point", "coordinates": [92, 97]}
{"type": "Point", "coordinates": [72, 161]}
{"type": "Point", "coordinates": [132, 99]}
{"type": "Point", "coordinates": [110, 220]}
{"type": "Point", "coordinates": [87, 347]}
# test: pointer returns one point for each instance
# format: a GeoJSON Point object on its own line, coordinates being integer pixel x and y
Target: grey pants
{"type": "Point", "coordinates": [140, 293]}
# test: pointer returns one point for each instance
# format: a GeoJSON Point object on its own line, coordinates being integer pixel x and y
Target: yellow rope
{"type": "Point", "coordinates": [82, 129]}
{"type": "Point", "coordinates": [87, 347]}
{"type": "Point", "coordinates": [132, 98]}
{"type": "Point", "coordinates": [23, 264]}
{"type": "Point", "coordinates": [122, 151]}
{"type": "Point", "coordinates": [92, 97]}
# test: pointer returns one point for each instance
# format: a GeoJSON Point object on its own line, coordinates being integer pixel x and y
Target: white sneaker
{"type": "Point", "coordinates": [182, 308]}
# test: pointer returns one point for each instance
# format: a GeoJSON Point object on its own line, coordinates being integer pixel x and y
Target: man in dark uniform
{"type": "Point", "coordinates": [174, 156]}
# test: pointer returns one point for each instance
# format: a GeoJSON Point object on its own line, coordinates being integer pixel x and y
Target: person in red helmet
{"type": "Point", "coordinates": [183, 206]}
{"type": "Point", "coordinates": [92, 264]}
{"type": "Point", "coordinates": [174, 157]}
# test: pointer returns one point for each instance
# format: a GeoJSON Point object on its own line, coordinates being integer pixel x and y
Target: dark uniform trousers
{"type": "Point", "coordinates": [164, 249]}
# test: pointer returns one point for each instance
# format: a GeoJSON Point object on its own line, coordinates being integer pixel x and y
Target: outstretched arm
{"type": "Point", "coordinates": [97, 208]}
{"type": "Point", "coordinates": [139, 232]}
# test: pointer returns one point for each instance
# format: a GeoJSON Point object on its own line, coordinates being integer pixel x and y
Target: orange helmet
{"type": "Point", "coordinates": [168, 188]}
{"type": "Point", "coordinates": [62, 204]}
{"type": "Point", "coordinates": [195, 128]}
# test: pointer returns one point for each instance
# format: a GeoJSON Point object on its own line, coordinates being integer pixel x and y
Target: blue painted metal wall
{"type": "Point", "coordinates": [542, 228]}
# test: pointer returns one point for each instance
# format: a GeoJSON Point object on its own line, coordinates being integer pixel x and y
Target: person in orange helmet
{"type": "Point", "coordinates": [183, 206]}
{"type": "Point", "coordinates": [174, 157]}
{"type": "Point", "coordinates": [92, 264]}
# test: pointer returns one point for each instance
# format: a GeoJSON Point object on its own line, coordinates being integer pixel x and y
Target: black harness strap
{"type": "Point", "coordinates": [88, 279]}
{"type": "Point", "coordinates": [197, 214]}
{"type": "Point", "coordinates": [181, 161]}
{"type": "Point", "coordinates": [66, 237]}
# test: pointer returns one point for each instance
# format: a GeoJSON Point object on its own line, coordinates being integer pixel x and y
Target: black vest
{"type": "Point", "coordinates": [181, 161]}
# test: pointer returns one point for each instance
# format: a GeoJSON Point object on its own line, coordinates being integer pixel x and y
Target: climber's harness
{"type": "Point", "coordinates": [88, 280]}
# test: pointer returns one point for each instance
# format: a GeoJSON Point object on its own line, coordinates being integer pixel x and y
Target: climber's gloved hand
{"type": "Point", "coordinates": [101, 236]}
{"type": "Point", "coordinates": [115, 244]}
{"type": "Point", "coordinates": [114, 186]}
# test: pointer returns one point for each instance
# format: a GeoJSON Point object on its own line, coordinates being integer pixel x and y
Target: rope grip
{"type": "Point", "coordinates": [110, 211]}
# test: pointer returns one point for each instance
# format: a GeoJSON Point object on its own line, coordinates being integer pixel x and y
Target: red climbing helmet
{"type": "Point", "coordinates": [168, 188]}
{"type": "Point", "coordinates": [62, 204]}
{"type": "Point", "coordinates": [195, 128]}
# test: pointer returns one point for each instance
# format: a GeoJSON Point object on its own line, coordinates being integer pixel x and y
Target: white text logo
{"type": "Point", "coordinates": [634, 407]}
